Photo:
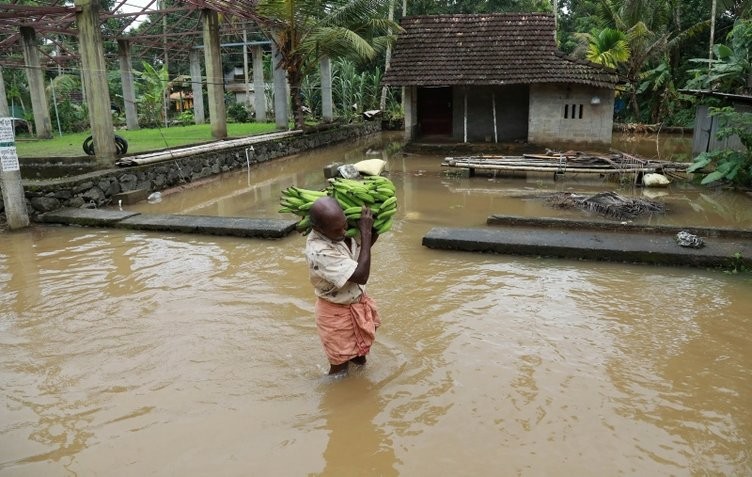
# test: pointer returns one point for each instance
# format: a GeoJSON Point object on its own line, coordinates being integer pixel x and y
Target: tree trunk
{"type": "Point", "coordinates": [295, 79]}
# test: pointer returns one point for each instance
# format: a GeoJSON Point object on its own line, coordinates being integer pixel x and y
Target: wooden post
{"type": "Point", "coordinates": [464, 122]}
{"type": "Point", "coordinates": [197, 87]}
{"type": "Point", "coordinates": [126, 77]}
{"type": "Point", "coordinates": [493, 105]}
{"type": "Point", "coordinates": [10, 177]}
{"type": "Point", "coordinates": [214, 78]}
{"type": "Point", "coordinates": [94, 70]}
{"type": "Point", "coordinates": [35, 77]}
{"type": "Point", "coordinates": [327, 110]}
{"type": "Point", "coordinates": [259, 87]}
{"type": "Point", "coordinates": [4, 109]}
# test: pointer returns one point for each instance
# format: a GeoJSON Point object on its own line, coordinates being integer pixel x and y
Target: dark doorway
{"type": "Point", "coordinates": [435, 111]}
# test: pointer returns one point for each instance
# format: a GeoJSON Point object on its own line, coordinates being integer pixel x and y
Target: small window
{"type": "Point", "coordinates": [571, 111]}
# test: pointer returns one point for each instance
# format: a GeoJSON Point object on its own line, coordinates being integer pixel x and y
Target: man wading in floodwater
{"type": "Point", "coordinates": [339, 268]}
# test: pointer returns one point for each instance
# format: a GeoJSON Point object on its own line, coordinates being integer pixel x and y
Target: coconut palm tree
{"type": "Point", "coordinates": [304, 31]}
{"type": "Point", "coordinates": [607, 47]}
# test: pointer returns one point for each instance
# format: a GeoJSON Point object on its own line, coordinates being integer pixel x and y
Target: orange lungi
{"type": "Point", "coordinates": [347, 331]}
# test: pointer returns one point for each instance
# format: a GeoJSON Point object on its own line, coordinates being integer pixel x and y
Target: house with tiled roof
{"type": "Point", "coordinates": [498, 77]}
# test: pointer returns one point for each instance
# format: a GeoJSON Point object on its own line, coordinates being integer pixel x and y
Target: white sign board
{"type": "Point", "coordinates": [8, 159]}
{"type": "Point", "coordinates": [6, 131]}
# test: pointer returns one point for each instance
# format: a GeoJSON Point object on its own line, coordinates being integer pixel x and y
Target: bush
{"type": "Point", "coordinates": [238, 113]}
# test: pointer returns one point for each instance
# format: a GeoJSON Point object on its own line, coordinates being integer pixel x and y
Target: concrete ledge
{"type": "Point", "coordinates": [85, 217]}
{"type": "Point", "coordinates": [131, 196]}
{"type": "Point", "coordinates": [197, 224]}
{"type": "Point", "coordinates": [613, 226]}
{"type": "Point", "coordinates": [592, 245]}
{"type": "Point", "coordinates": [231, 226]}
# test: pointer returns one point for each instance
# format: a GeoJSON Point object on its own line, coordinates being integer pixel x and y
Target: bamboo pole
{"type": "Point", "coordinates": [551, 168]}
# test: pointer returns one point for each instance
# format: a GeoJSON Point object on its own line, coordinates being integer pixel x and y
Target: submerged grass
{"type": "Point", "coordinates": [142, 140]}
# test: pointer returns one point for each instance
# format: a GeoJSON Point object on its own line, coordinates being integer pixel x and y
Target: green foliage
{"type": "Point", "coordinates": [239, 113]}
{"type": "Point", "coordinates": [185, 117]}
{"type": "Point", "coordinates": [728, 165]}
{"type": "Point", "coordinates": [607, 47]}
{"type": "Point", "coordinates": [433, 7]}
{"type": "Point", "coordinates": [736, 264]}
{"type": "Point", "coordinates": [354, 92]}
{"type": "Point", "coordinates": [732, 65]}
{"type": "Point", "coordinates": [306, 30]}
{"type": "Point", "coordinates": [152, 87]}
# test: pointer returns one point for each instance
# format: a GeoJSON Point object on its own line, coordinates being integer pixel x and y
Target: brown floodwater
{"type": "Point", "coordinates": [133, 353]}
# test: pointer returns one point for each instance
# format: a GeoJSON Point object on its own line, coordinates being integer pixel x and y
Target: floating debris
{"type": "Point", "coordinates": [686, 239]}
{"type": "Point", "coordinates": [609, 204]}
{"type": "Point", "coordinates": [573, 162]}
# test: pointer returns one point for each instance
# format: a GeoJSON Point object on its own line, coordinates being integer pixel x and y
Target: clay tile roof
{"type": "Point", "coordinates": [486, 49]}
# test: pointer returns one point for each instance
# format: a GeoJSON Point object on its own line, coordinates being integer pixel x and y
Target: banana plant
{"type": "Point", "coordinates": [306, 30]}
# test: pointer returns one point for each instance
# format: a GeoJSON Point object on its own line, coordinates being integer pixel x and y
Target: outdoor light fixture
{"type": "Point", "coordinates": [595, 100]}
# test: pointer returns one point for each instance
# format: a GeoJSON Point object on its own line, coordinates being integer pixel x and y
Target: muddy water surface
{"type": "Point", "coordinates": [129, 353]}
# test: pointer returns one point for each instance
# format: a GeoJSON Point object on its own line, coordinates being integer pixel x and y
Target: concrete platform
{"type": "Point", "coordinates": [633, 246]}
{"type": "Point", "coordinates": [196, 224]}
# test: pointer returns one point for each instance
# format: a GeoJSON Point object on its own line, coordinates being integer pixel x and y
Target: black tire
{"type": "Point", "coordinates": [89, 146]}
{"type": "Point", "coordinates": [121, 144]}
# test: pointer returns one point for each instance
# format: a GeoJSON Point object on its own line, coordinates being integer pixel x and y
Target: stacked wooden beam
{"type": "Point", "coordinates": [572, 162]}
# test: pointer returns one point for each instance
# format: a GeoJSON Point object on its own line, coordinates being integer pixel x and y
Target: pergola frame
{"type": "Point", "coordinates": [52, 18]}
{"type": "Point", "coordinates": [201, 24]}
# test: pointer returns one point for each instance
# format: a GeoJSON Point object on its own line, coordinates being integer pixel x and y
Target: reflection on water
{"type": "Point", "coordinates": [131, 353]}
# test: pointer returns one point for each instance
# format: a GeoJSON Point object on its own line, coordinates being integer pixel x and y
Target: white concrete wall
{"type": "Point", "coordinates": [549, 104]}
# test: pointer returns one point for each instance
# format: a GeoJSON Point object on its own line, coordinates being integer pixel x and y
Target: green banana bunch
{"type": "Point", "coordinates": [298, 201]}
{"type": "Point", "coordinates": [375, 192]}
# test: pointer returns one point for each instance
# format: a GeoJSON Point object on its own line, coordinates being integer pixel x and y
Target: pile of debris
{"type": "Point", "coordinates": [608, 204]}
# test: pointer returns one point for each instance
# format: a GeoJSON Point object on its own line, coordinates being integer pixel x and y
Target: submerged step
{"type": "Point", "coordinates": [197, 224]}
{"type": "Point", "coordinates": [592, 245]}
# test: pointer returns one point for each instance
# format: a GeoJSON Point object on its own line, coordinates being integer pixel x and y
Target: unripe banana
{"type": "Point", "coordinates": [389, 203]}
{"type": "Point", "coordinates": [387, 213]}
{"type": "Point", "coordinates": [364, 196]}
{"type": "Point", "coordinates": [385, 191]}
{"type": "Point", "coordinates": [353, 210]}
{"type": "Point", "coordinates": [385, 227]}
{"type": "Point", "coordinates": [305, 207]}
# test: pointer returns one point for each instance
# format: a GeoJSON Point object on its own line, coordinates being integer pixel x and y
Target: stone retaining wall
{"type": "Point", "coordinates": [97, 189]}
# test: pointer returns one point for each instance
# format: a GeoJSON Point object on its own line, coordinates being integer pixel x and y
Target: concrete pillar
{"type": "Point", "coordinates": [35, 77]}
{"type": "Point", "coordinates": [327, 110]}
{"type": "Point", "coordinates": [259, 87]}
{"type": "Point", "coordinates": [245, 70]}
{"type": "Point", "coordinates": [10, 177]}
{"type": "Point", "coordinates": [409, 105]}
{"type": "Point", "coordinates": [197, 87]}
{"type": "Point", "coordinates": [95, 80]}
{"type": "Point", "coordinates": [4, 109]}
{"type": "Point", "coordinates": [214, 78]}
{"type": "Point", "coordinates": [126, 77]}
{"type": "Point", "coordinates": [281, 97]}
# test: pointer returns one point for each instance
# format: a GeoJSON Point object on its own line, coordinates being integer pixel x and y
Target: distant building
{"type": "Point", "coordinates": [236, 86]}
{"type": "Point", "coordinates": [498, 77]}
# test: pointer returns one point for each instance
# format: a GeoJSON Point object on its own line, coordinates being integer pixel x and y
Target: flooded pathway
{"type": "Point", "coordinates": [130, 353]}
